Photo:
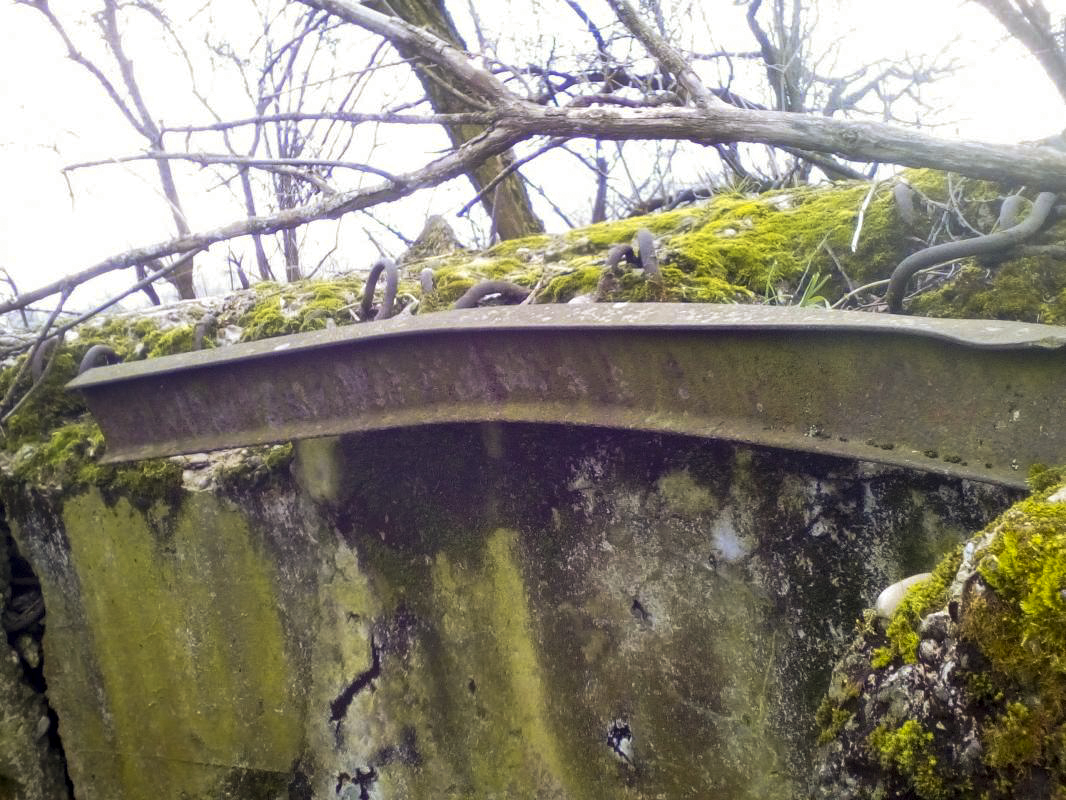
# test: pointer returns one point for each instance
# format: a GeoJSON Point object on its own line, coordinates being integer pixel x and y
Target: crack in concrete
{"type": "Point", "coordinates": [339, 707]}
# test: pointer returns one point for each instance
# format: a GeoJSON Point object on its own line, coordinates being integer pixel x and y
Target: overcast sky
{"type": "Point", "coordinates": [54, 114]}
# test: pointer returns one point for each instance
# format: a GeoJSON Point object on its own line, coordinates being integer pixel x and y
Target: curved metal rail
{"type": "Point", "coordinates": [978, 399]}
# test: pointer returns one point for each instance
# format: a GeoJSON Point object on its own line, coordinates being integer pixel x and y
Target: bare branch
{"type": "Point", "coordinates": [510, 168]}
{"type": "Point", "coordinates": [205, 159]}
{"type": "Point", "coordinates": [665, 54]}
{"type": "Point", "coordinates": [471, 118]}
{"type": "Point", "coordinates": [515, 120]}
{"type": "Point", "coordinates": [449, 166]}
{"type": "Point", "coordinates": [661, 99]}
{"type": "Point", "coordinates": [75, 55]}
{"type": "Point", "coordinates": [1031, 27]}
{"type": "Point", "coordinates": [300, 175]}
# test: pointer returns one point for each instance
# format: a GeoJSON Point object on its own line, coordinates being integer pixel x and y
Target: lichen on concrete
{"type": "Point", "coordinates": [183, 656]}
{"type": "Point", "coordinates": [503, 626]}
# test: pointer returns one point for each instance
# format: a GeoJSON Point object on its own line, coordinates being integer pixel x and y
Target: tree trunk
{"type": "Point", "coordinates": [261, 260]}
{"type": "Point", "coordinates": [181, 279]}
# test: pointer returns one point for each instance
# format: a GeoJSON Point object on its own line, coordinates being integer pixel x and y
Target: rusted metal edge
{"type": "Point", "coordinates": [971, 398]}
{"type": "Point", "coordinates": [985, 334]}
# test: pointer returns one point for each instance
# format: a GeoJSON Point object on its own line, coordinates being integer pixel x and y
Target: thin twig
{"type": "Point", "coordinates": [862, 215]}
{"type": "Point", "coordinates": [860, 290]}
{"type": "Point", "coordinates": [133, 288]}
{"type": "Point", "coordinates": [466, 118]}
{"type": "Point", "coordinates": [38, 343]}
{"type": "Point", "coordinates": [205, 159]}
{"type": "Point", "coordinates": [838, 265]}
{"type": "Point", "coordinates": [514, 165]}
{"type": "Point", "coordinates": [36, 387]}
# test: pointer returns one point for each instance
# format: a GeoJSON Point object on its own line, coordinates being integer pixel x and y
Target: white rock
{"type": "Point", "coordinates": [888, 601]}
{"type": "Point", "coordinates": [1059, 496]}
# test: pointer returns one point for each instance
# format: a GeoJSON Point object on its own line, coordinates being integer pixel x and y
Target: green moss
{"type": "Point", "coordinates": [735, 248]}
{"type": "Point", "coordinates": [55, 445]}
{"type": "Point", "coordinates": [1019, 625]}
{"type": "Point", "coordinates": [187, 661]}
{"type": "Point", "coordinates": [1025, 289]}
{"type": "Point", "coordinates": [179, 339]}
{"type": "Point", "coordinates": [134, 339]}
{"type": "Point", "coordinates": [512, 247]}
{"type": "Point", "coordinates": [66, 462]}
{"type": "Point", "coordinates": [773, 239]}
{"type": "Point", "coordinates": [604, 235]}
{"type": "Point", "coordinates": [908, 751]}
{"type": "Point", "coordinates": [921, 599]}
{"type": "Point", "coordinates": [265, 319]}
{"type": "Point", "coordinates": [831, 720]}
{"type": "Point", "coordinates": [50, 406]}
{"type": "Point", "coordinates": [569, 285]}
{"type": "Point", "coordinates": [1043, 477]}
{"type": "Point", "coordinates": [740, 248]}
{"type": "Point", "coordinates": [300, 307]}
{"type": "Point", "coordinates": [449, 284]}
{"type": "Point", "coordinates": [1012, 740]}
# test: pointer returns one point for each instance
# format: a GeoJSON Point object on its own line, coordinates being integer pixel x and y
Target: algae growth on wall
{"type": "Point", "coordinates": [470, 611]}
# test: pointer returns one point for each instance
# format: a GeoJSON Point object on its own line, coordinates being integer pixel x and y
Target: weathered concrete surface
{"type": "Point", "coordinates": [31, 766]}
{"type": "Point", "coordinates": [471, 612]}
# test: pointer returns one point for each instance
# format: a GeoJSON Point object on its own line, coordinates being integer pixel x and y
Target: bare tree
{"type": "Point", "coordinates": [541, 117]}
{"type": "Point", "coordinates": [134, 108]}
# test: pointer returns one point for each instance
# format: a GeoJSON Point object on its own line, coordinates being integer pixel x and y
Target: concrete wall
{"type": "Point", "coordinates": [470, 612]}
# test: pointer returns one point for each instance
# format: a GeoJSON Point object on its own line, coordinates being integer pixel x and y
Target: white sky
{"type": "Point", "coordinates": [52, 113]}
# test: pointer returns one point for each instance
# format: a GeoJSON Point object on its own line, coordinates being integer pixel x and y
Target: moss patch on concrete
{"type": "Point", "coordinates": [1020, 627]}
{"type": "Point", "coordinates": [483, 615]}
{"type": "Point", "coordinates": [922, 598]}
{"type": "Point", "coordinates": [189, 649]}
{"type": "Point", "coordinates": [964, 695]}
{"type": "Point", "coordinates": [908, 750]}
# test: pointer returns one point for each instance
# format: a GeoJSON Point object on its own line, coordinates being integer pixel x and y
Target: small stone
{"type": "Point", "coordinates": [888, 601]}
{"type": "Point", "coordinates": [942, 693]}
{"type": "Point", "coordinates": [928, 651]}
{"type": "Point", "coordinates": [972, 751]}
{"type": "Point", "coordinates": [946, 670]}
{"type": "Point", "coordinates": [935, 626]}
{"type": "Point", "coordinates": [30, 650]}
{"type": "Point", "coordinates": [1059, 496]}
{"type": "Point", "coordinates": [43, 724]}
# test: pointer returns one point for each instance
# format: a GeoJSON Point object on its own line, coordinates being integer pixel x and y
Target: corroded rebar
{"type": "Point", "coordinates": [387, 266]}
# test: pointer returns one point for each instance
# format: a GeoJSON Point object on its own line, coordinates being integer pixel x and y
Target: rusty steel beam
{"type": "Point", "coordinates": [978, 399]}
